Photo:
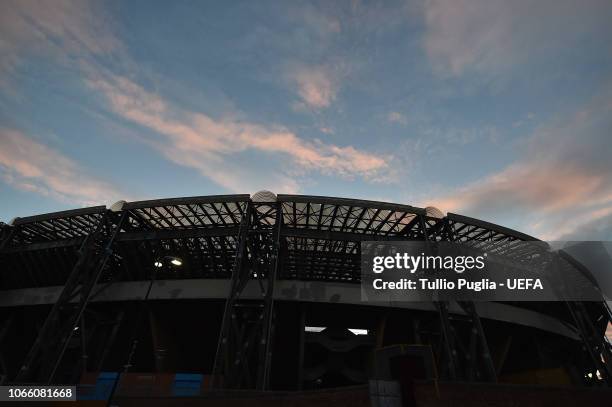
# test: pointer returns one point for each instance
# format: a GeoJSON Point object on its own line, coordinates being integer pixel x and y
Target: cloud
{"type": "Point", "coordinates": [544, 187]}
{"type": "Point", "coordinates": [562, 182]}
{"type": "Point", "coordinates": [68, 33]}
{"type": "Point", "coordinates": [213, 146]}
{"type": "Point", "coordinates": [31, 166]}
{"type": "Point", "coordinates": [235, 154]}
{"type": "Point", "coordinates": [491, 37]}
{"type": "Point", "coordinates": [63, 30]}
{"type": "Point", "coordinates": [397, 117]}
{"type": "Point", "coordinates": [589, 225]}
{"type": "Point", "coordinates": [315, 85]}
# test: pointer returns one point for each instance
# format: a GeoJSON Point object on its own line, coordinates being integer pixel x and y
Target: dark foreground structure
{"type": "Point", "coordinates": [202, 296]}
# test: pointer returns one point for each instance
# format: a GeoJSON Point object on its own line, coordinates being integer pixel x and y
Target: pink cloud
{"type": "Point", "coordinates": [63, 30]}
{"type": "Point", "coordinates": [199, 141]}
{"type": "Point", "coordinates": [315, 86]}
{"type": "Point", "coordinates": [543, 187]}
{"type": "Point", "coordinates": [80, 33]}
{"type": "Point", "coordinates": [561, 180]}
{"type": "Point", "coordinates": [31, 166]}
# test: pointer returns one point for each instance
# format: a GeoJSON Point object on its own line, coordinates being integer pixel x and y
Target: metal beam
{"type": "Point", "coordinates": [265, 347]}
{"type": "Point", "coordinates": [349, 202]}
{"type": "Point", "coordinates": [165, 234]}
{"type": "Point", "coordinates": [333, 235]}
{"type": "Point", "coordinates": [94, 210]}
{"type": "Point", "coordinates": [54, 244]}
{"type": "Point", "coordinates": [45, 355]}
{"type": "Point", "coordinates": [156, 234]}
{"type": "Point", "coordinates": [186, 201]}
{"type": "Point", "coordinates": [226, 346]}
{"type": "Point", "coordinates": [487, 225]}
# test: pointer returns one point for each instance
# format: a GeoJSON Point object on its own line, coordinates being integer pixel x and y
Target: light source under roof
{"type": "Point", "coordinates": [314, 328]}
{"type": "Point", "coordinates": [175, 261]}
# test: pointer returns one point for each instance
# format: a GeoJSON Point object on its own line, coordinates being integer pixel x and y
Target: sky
{"type": "Point", "coordinates": [500, 110]}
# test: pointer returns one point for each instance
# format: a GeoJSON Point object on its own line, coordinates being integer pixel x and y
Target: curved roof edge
{"type": "Point", "coordinates": [317, 199]}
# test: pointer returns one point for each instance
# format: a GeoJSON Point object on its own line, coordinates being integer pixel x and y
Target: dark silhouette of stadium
{"type": "Point", "coordinates": [263, 292]}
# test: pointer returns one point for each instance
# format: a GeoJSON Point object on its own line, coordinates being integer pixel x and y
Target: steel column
{"type": "Point", "coordinates": [45, 355]}
{"type": "Point", "coordinates": [244, 349]}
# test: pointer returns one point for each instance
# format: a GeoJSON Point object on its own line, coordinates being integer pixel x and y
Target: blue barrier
{"type": "Point", "coordinates": [101, 390]}
{"type": "Point", "coordinates": [187, 384]}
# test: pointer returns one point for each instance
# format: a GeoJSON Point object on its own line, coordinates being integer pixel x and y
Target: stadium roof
{"type": "Point", "coordinates": [320, 236]}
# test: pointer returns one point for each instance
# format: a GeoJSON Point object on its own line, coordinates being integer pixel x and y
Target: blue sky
{"type": "Point", "coordinates": [500, 110]}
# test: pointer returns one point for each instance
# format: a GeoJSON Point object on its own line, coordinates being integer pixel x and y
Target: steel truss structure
{"type": "Point", "coordinates": [232, 237]}
{"type": "Point", "coordinates": [244, 350]}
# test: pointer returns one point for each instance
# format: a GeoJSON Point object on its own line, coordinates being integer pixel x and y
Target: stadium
{"type": "Point", "coordinates": [203, 297]}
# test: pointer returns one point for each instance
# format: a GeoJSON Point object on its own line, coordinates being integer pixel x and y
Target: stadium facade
{"type": "Point", "coordinates": [262, 292]}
